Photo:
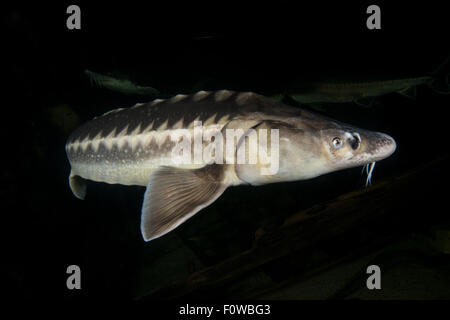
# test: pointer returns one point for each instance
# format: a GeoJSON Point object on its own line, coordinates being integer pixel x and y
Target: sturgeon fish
{"type": "Point", "coordinates": [364, 92]}
{"type": "Point", "coordinates": [124, 86]}
{"type": "Point", "coordinates": [135, 146]}
{"type": "Point", "coordinates": [354, 91]}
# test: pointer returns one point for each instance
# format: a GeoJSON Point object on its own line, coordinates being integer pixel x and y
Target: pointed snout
{"type": "Point", "coordinates": [384, 146]}
{"type": "Point", "coordinates": [375, 146]}
{"type": "Point", "coordinates": [379, 146]}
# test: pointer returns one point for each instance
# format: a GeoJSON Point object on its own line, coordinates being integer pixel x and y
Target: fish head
{"type": "Point", "coordinates": [307, 149]}
{"type": "Point", "coordinates": [348, 147]}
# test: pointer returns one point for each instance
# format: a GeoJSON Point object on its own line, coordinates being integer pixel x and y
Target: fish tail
{"type": "Point", "coordinates": [441, 78]}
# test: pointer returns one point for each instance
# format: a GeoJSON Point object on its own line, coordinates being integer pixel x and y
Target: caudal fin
{"type": "Point", "coordinates": [441, 78]}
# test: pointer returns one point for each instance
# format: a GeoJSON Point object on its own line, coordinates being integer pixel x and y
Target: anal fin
{"type": "Point", "coordinates": [174, 195]}
{"type": "Point", "coordinates": [77, 185]}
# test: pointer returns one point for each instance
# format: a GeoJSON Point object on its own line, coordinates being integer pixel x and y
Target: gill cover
{"type": "Point", "coordinates": [258, 153]}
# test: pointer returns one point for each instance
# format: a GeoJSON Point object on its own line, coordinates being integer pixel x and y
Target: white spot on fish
{"type": "Point", "coordinates": [136, 130]}
{"type": "Point", "coordinates": [224, 119]}
{"type": "Point", "coordinates": [111, 111]}
{"type": "Point", "coordinates": [85, 139]}
{"type": "Point", "coordinates": [123, 132]}
{"type": "Point", "coordinates": [108, 140]}
{"type": "Point", "coordinates": [210, 120]}
{"type": "Point", "coordinates": [146, 139]}
{"type": "Point", "coordinates": [156, 101]}
{"type": "Point", "coordinates": [200, 95]}
{"type": "Point", "coordinates": [111, 134]}
{"type": "Point", "coordinates": [178, 124]}
{"type": "Point", "coordinates": [149, 127]}
{"type": "Point", "coordinates": [178, 98]}
{"type": "Point", "coordinates": [95, 143]}
{"type": "Point", "coordinates": [84, 143]}
{"type": "Point", "coordinates": [163, 126]}
{"type": "Point", "coordinates": [134, 142]}
{"type": "Point", "coordinates": [222, 95]}
{"type": "Point", "coordinates": [121, 138]}
{"type": "Point", "coordinates": [137, 105]}
{"type": "Point", "coordinates": [160, 137]}
{"type": "Point", "coordinates": [191, 125]}
{"type": "Point", "coordinates": [243, 97]}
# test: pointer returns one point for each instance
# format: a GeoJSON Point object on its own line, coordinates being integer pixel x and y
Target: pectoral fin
{"type": "Point", "coordinates": [408, 92]}
{"type": "Point", "coordinates": [174, 195]}
{"type": "Point", "coordinates": [77, 185]}
{"type": "Point", "coordinates": [365, 102]}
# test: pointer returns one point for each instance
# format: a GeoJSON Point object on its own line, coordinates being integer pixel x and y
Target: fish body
{"type": "Point", "coordinates": [135, 146]}
{"type": "Point", "coordinates": [124, 86]}
{"type": "Point", "coordinates": [364, 92]}
{"type": "Point", "coordinates": [340, 92]}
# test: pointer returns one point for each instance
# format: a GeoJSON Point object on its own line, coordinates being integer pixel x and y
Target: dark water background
{"type": "Point", "coordinates": [183, 50]}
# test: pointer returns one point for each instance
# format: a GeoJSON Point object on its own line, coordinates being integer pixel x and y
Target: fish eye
{"type": "Point", "coordinates": [337, 142]}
